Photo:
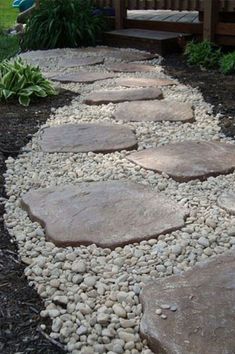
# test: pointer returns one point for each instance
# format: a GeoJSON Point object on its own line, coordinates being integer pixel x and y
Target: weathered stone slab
{"type": "Point", "coordinates": [73, 62]}
{"type": "Point", "coordinates": [130, 56]}
{"type": "Point", "coordinates": [109, 214]}
{"type": "Point", "coordinates": [154, 111]}
{"type": "Point", "coordinates": [130, 68]}
{"type": "Point", "coordinates": [143, 82]}
{"type": "Point", "coordinates": [81, 77]}
{"type": "Point", "coordinates": [116, 96]}
{"type": "Point", "coordinates": [226, 201]}
{"type": "Point", "coordinates": [88, 137]}
{"type": "Point", "coordinates": [188, 160]}
{"type": "Point", "coordinates": [201, 317]}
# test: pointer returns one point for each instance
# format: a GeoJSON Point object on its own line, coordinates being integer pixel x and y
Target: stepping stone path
{"type": "Point", "coordinates": [154, 111]}
{"type": "Point", "coordinates": [143, 82]}
{"type": "Point", "coordinates": [226, 201]}
{"type": "Point", "coordinates": [188, 160]}
{"type": "Point", "coordinates": [128, 56]}
{"type": "Point", "coordinates": [131, 68]}
{"type": "Point", "coordinates": [81, 77]}
{"type": "Point", "coordinates": [192, 313]}
{"type": "Point", "coordinates": [116, 96]}
{"type": "Point", "coordinates": [88, 137]}
{"type": "Point", "coordinates": [109, 214]}
{"type": "Point", "coordinates": [73, 62]}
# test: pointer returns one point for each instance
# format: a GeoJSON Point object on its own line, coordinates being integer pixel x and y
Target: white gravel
{"type": "Point", "coordinates": [92, 294]}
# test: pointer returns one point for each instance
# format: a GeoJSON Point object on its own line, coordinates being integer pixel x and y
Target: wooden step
{"type": "Point", "coordinates": [153, 41]}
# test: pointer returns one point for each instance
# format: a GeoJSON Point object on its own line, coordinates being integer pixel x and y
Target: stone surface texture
{"type": "Point", "coordinates": [154, 111]}
{"type": "Point", "coordinates": [188, 160]}
{"type": "Point", "coordinates": [88, 137]}
{"type": "Point", "coordinates": [143, 82]}
{"type": "Point", "coordinates": [73, 62]}
{"type": "Point", "coordinates": [81, 77]}
{"type": "Point", "coordinates": [116, 96]}
{"type": "Point", "coordinates": [109, 214]}
{"type": "Point", "coordinates": [130, 68]}
{"type": "Point", "coordinates": [198, 313]}
{"type": "Point", "coordinates": [227, 201]}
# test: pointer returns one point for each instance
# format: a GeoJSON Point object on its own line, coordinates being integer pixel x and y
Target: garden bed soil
{"type": "Point", "coordinates": [217, 89]}
{"type": "Point", "coordinates": [20, 306]}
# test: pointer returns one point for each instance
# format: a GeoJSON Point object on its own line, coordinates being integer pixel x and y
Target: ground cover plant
{"type": "Point", "coordinates": [22, 81]}
{"type": "Point", "coordinates": [204, 54]}
{"type": "Point", "coordinates": [227, 63]}
{"type": "Point", "coordinates": [60, 24]}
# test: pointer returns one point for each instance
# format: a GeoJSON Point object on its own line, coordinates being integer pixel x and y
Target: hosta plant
{"type": "Point", "coordinates": [23, 81]}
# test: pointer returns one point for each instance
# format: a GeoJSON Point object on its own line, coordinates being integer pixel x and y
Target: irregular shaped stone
{"type": "Point", "coordinates": [88, 137]}
{"type": "Point", "coordinates": [73, 62]}
{"type": "Point", "coordinates": [154, 111]}
{"type": "Point", "coordinates": [201, 318]}
{"type": "Point", "coordinates": [130, 56]}
{"type": "Point", "coordinates": [188, 160]}
{"type": "Point", "coordinates": [116, 96]}
{"type": "Point", "coordinates": [130, 68]}
{"type": "Point", "coordinates": [109, 214]}
{"type": "Point", "coordinates": [81, 77]}
{"type": "Point", "coordinates": [142, 82]}
{"type": "Point", "coordinates": [226, 201]}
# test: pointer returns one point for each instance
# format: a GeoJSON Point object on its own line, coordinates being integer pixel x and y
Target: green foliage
{"type": "Point", "coordinates": [61, 24]}
{"type": "Point", "coordinates": [9, 46]}
{"type": "Point", "coordinates": [227, 63]}
{"type": "Point", "coordinates": [18, 79]}
{"type": "Point", "coordinates": [8, 15]}
{"type": "Point", "coordinates": [204, 54]}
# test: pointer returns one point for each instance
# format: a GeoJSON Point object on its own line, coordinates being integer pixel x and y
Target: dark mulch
{"type": "Point", "coordinates": [217, 89]}
{"type": "Point", "coordinates": [20, 305]}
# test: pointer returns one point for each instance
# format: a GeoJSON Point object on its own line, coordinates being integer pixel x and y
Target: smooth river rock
{"type": "Point", "coordinates": [87, 137]}
{"type": "Point", "coordinates": [188, 160]}
{"type": "Point", "coordinates": [109, 214]}
{"type": "Point", "coordinates": [192, 313]}
{"type": "Point", "coordinates": [142, 82]}
{"type": "Point", "coordinates": [116, 96]}
{"type": "Point", "coordinates": [73, 62]}
{"type": "Point", "coordinates": [226, 201]}
{"type": "Point", "coordinates": [154, 111]}
{"type": "Point", "coordinates": [81, 77]}
{"type": "Point", "coordinates": [130, 68]}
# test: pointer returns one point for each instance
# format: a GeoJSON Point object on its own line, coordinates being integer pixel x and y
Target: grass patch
{"type": "Point", "coordinates": [9, 46]}
{"type": "Point", "coordinates": [8, 15]}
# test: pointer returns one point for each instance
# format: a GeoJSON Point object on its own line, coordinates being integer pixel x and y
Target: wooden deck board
{"type": "Point", "coordinates": [164, 15]}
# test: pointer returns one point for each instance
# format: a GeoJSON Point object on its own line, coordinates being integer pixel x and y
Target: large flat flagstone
{"type": "Point", "coordinates": [109, 214]}
{"type": "Point", "coordinates": [81, 77]}
{"type": "Point", "coordinates": [130, 56]}
{"type": "Point", "coordinates": [87, 61]}
{"type": "Point", "coordinates": [130, 68]}
{"type": "Point", "coordinates": [88, 137]}
{"type": "Point", "coordinates": [116, 96]}
{"type": "Point", "coordinates": [198, 307]}
{"type": "Point", "coordinates": [154, 111]}
{"type": "Point", "coordinates": [142, 82]}
{"type": "Point", "coordinates": [226, 201]}
{"type": "Point", "coordinates": [188, 160]}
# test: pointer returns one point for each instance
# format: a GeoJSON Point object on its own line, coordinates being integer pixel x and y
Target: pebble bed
{"type": "Point", "coordinates": [92, 294]}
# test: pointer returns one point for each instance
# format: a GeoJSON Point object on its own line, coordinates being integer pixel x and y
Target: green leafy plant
{"type": "Point", "coordinates": [61, 24]}
{"type": "Point", "coordinates": [204, 54]}
{"type": "Point", "coordinates": [227, 63]}
{"type": "Point", "coordinates": [18, 79]}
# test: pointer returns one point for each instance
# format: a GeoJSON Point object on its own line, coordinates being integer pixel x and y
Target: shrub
{"type": "Point", "coordinates": [18, 79]}
{"type": "Point", "coordinates": [227, 63]}
{"type": "Point", "coordinates": [204, 54]}
{"type": "Point", "coordinates": [61, 24]}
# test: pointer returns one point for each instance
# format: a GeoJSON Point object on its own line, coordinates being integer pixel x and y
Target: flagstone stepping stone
{"type": "Point", "coordinates": [128, 56]}
{"type": "Point", "coordinates": [188, 160]}
{"type": "Point", "coordinates": [154, 111]}
{"type": "Point", "coordinates": [226, 201]}
{"type": "Point", "coordinates": [87, 137]}
{"type": "Point", "coordinates": [192, 313]}
{"type": "Point", "coordinates": [116, 96]}
{"type": "Point", "coordinates": [73, 62]}
{"type": "Point", "coordinates": [109, 214]}
{"type": "Point", "coordinates": [130, 68]}
{"type": "Point", "coordinates": [143, 82]}
{"type": "Point", "coordinates": [81, 77]}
